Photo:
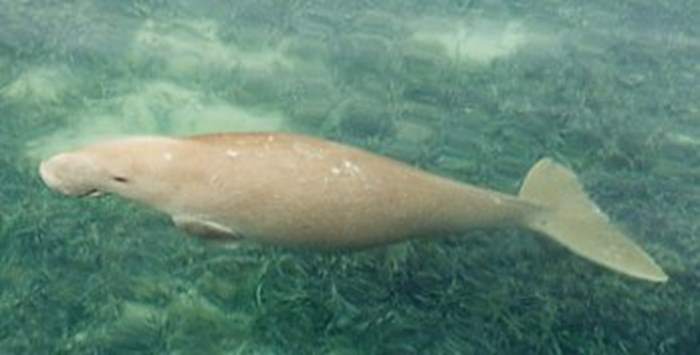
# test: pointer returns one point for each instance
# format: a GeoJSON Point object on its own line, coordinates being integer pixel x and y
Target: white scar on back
{"type": "Point", "coordinates": [351, 167]}
{"type": "Point", "coordinates": [232, 153]}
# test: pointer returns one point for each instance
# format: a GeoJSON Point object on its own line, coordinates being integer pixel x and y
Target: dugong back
{"type": "Point", "coordinates": [289, 189]}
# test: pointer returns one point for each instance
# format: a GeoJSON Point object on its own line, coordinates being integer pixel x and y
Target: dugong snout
{"type": "Point", "coordinates": [69, 174]}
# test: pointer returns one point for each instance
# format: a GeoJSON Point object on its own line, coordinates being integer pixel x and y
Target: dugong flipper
{"type": "Point", "coordinates": [295, 190]}
{"type": "Point", "coordinates": [204, 228]}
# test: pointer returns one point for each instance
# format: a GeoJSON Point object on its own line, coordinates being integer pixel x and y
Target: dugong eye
{"type": "Point", "coordinates": [120, 179]}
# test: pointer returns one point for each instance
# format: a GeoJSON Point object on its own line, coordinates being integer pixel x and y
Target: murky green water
{"type": "Point", "coordinates": [474, 90]}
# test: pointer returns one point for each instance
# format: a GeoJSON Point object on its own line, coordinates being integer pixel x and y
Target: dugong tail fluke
{"type": "Point", "coordinates": [573, 220]}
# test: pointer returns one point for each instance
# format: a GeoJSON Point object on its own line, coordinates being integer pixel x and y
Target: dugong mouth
{"type": "Point", "coordinates": [66, 174]}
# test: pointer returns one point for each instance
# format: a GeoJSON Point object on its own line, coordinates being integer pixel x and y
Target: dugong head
{"type": "Point", "coordinates": [135, 168]}
{"type": "Point", "coordinates": [75, 174]}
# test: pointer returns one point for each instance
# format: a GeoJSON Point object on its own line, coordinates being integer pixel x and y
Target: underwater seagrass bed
{"type": "Point", "coordinates": [473, 90]}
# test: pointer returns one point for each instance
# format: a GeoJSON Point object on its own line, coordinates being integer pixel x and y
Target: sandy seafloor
{"type": "Point", "coordinates": [473, 90]}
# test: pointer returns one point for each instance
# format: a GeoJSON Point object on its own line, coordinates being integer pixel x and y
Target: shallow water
{"type": "Point", "coordinates": [477, 91]}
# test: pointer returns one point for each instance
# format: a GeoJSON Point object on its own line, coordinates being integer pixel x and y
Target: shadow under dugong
{"type": "Point", "coordinates": [295, 190]}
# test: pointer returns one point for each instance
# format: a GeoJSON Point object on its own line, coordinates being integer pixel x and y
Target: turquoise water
{"type": "Point", "coordinates": [473, 90]}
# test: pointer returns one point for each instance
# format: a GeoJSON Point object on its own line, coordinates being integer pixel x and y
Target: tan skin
{"type": "Point", "coordinates": [294, 190]}
{"type": "Point", "coordinates": [289, 189]}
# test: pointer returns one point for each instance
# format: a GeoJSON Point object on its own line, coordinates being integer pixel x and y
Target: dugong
{"type": "Point", "coordinates": [296, 190]}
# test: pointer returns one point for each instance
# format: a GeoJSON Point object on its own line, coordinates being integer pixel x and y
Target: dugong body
{"type": "Point", "coordinates": [295, 190]}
